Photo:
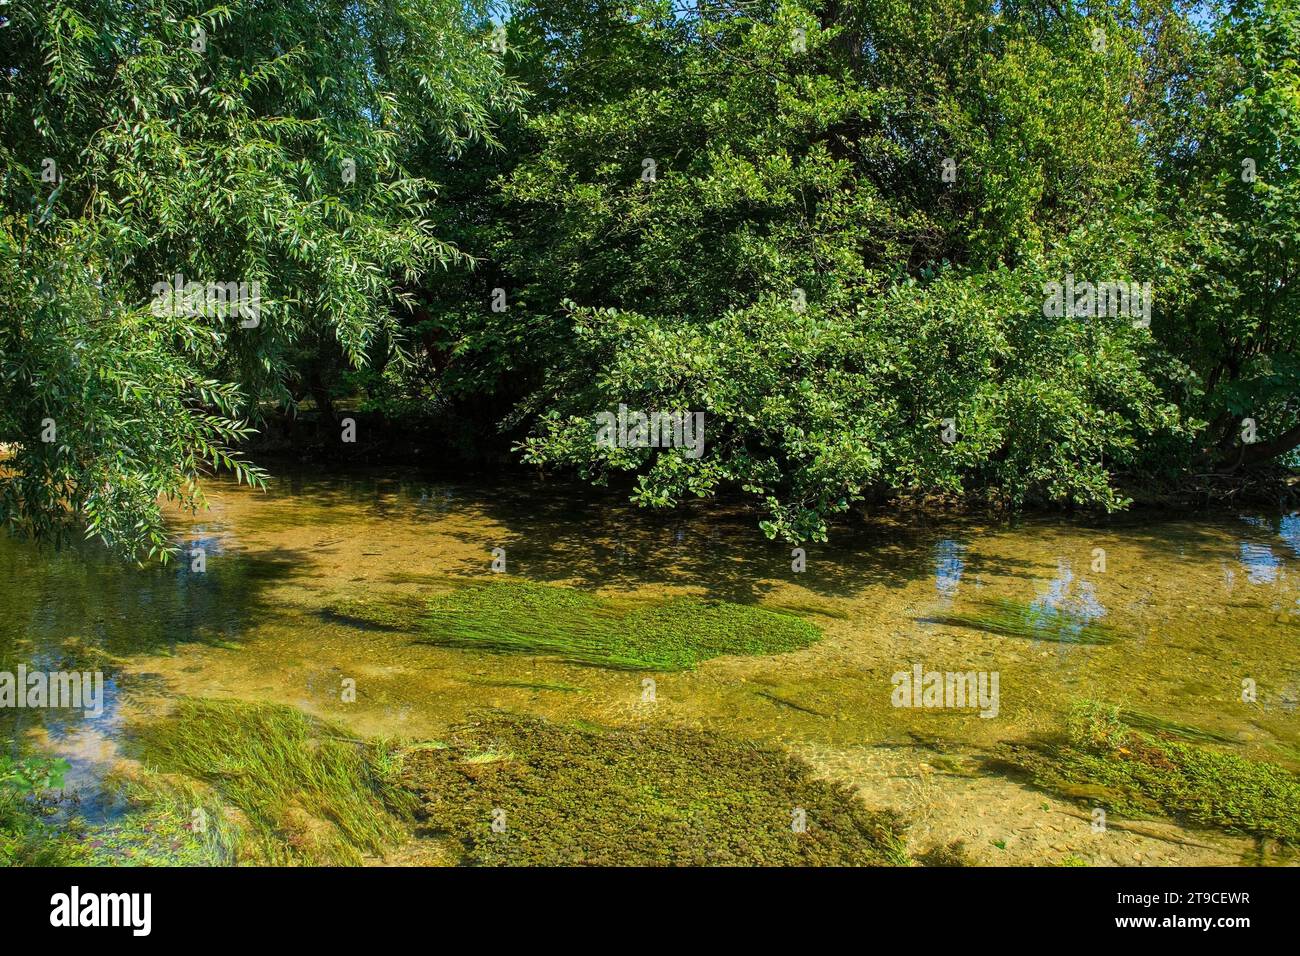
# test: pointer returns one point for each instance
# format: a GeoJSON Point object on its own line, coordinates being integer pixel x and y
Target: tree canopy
{"type": "Point", "coordinates": [835, 229]}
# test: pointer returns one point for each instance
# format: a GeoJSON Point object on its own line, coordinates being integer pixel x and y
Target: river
{"type": "Point", "coordinates": [1195, 606]}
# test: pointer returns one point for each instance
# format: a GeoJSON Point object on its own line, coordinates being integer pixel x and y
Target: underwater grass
{"type": "Point", "coordinates": [27, 838]}
{"type": "Point", "coordinates": [161, 828]}
{"type": "Point", "coordinates": [522, 617]}
{"type": "Point", "coordinates": [29, 789]}
{"type": "Point", "coordinates": [1134, 773]}
{"type": "Point", "coordinates": [574, 794]}
{"type": "Point", "coordinates": [304, 793]}
{"type": "Point", "coordinates": [1159, 725]}
{"type": "Point", "coordinates": [1015, 619]}
{"type": "Point", "coordinates": [278, 787]}
{"type": "Point", "coordinates": [172, 822]}
{"type": "Point", "coordinates": [526, 685]}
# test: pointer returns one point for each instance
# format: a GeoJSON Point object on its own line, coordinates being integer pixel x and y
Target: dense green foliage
{"type": "Point", "coordinates": [788, 177]}
{"type": "Point", "coordinates": [829, 227]}
{"type": "Point", "coordinates": [208, 142]}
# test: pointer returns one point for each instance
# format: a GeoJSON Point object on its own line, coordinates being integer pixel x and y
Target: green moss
{"type": "Point", "coordinates": [1133, 773]}
{"type": "Point", "coordinates": [575, 795]}
{"type": "Point", "coordinates": [521, 617]}
{"type": "Point", "coordinates": [302, 791]}
{"type": "Point", "coordinates": [1014, 619]}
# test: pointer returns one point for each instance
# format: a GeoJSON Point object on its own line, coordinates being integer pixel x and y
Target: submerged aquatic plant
{"type": "Point", "coordinates": [1015, 619]}
{"type": "Point", "coordinates": [171, 821]}
{"type": "Point", "coordinates": [1136, 773]}
{"type": "Point", "coordinates": [1160, 725]}
{"type": "Point", "coordinates": [522, 617]}
{"type": "Point", "coordinates": [568, 794]}
{"type": "Point", "coordinates": [303, 791]}
{"type": "Point", "coordinates": [27, 838]}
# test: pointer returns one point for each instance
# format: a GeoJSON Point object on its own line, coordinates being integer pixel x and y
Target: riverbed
{"type": "Point", "coordinates": [1201, 613]}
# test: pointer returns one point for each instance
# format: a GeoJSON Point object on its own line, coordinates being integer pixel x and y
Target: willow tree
{"type": "Point", "coordinates": [260, 150]}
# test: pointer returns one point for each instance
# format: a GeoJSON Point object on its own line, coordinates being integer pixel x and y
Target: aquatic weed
{"type": "Point", "coordinates": [567, 794]}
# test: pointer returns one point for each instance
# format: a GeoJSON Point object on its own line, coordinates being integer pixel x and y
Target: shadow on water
{"type": "Point", "coordinates": [599, 539]}
{"type": "Point", "coordinates": [81, 610]}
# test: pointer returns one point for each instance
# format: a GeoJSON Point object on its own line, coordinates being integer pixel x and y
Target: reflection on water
{"type": "Point", "coordinates": [1261, 564]}
{"type": "Point", "coordinates": [948, 566]}
{"type": "Point", "coordinates": [1065, 595]}
{"type": "Point", "coordinates": [1289, 531]}
{"type": "Point", "coordinates": [1199, 606]}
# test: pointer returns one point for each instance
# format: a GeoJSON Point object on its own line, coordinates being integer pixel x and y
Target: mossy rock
{"type": "Point", "coordinates": [1108, 763]}
{"type": "Point", "coordinates": [521, 617]}
{"type": "Point", "coordinates": [661, 796]}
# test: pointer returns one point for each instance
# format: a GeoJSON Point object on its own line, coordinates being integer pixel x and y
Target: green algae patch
{"type": "Point", "coordinates": [1015, 619]}
{"type": "Point", "coordinates": [301, 791]}
{"type": "Point", "coordinates": [571, 625]}
{"type": "Point", "coordinates": [569, 794]}
{"type": "Point", "coordinates": [1134, 773]}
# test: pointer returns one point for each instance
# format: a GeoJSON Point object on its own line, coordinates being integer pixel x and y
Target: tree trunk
{"type": "Point", "coordinates": [1259, 452]}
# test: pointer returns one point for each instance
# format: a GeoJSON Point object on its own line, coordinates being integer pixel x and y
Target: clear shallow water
{"type": "Point", "coordinates": [1198, 606]}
